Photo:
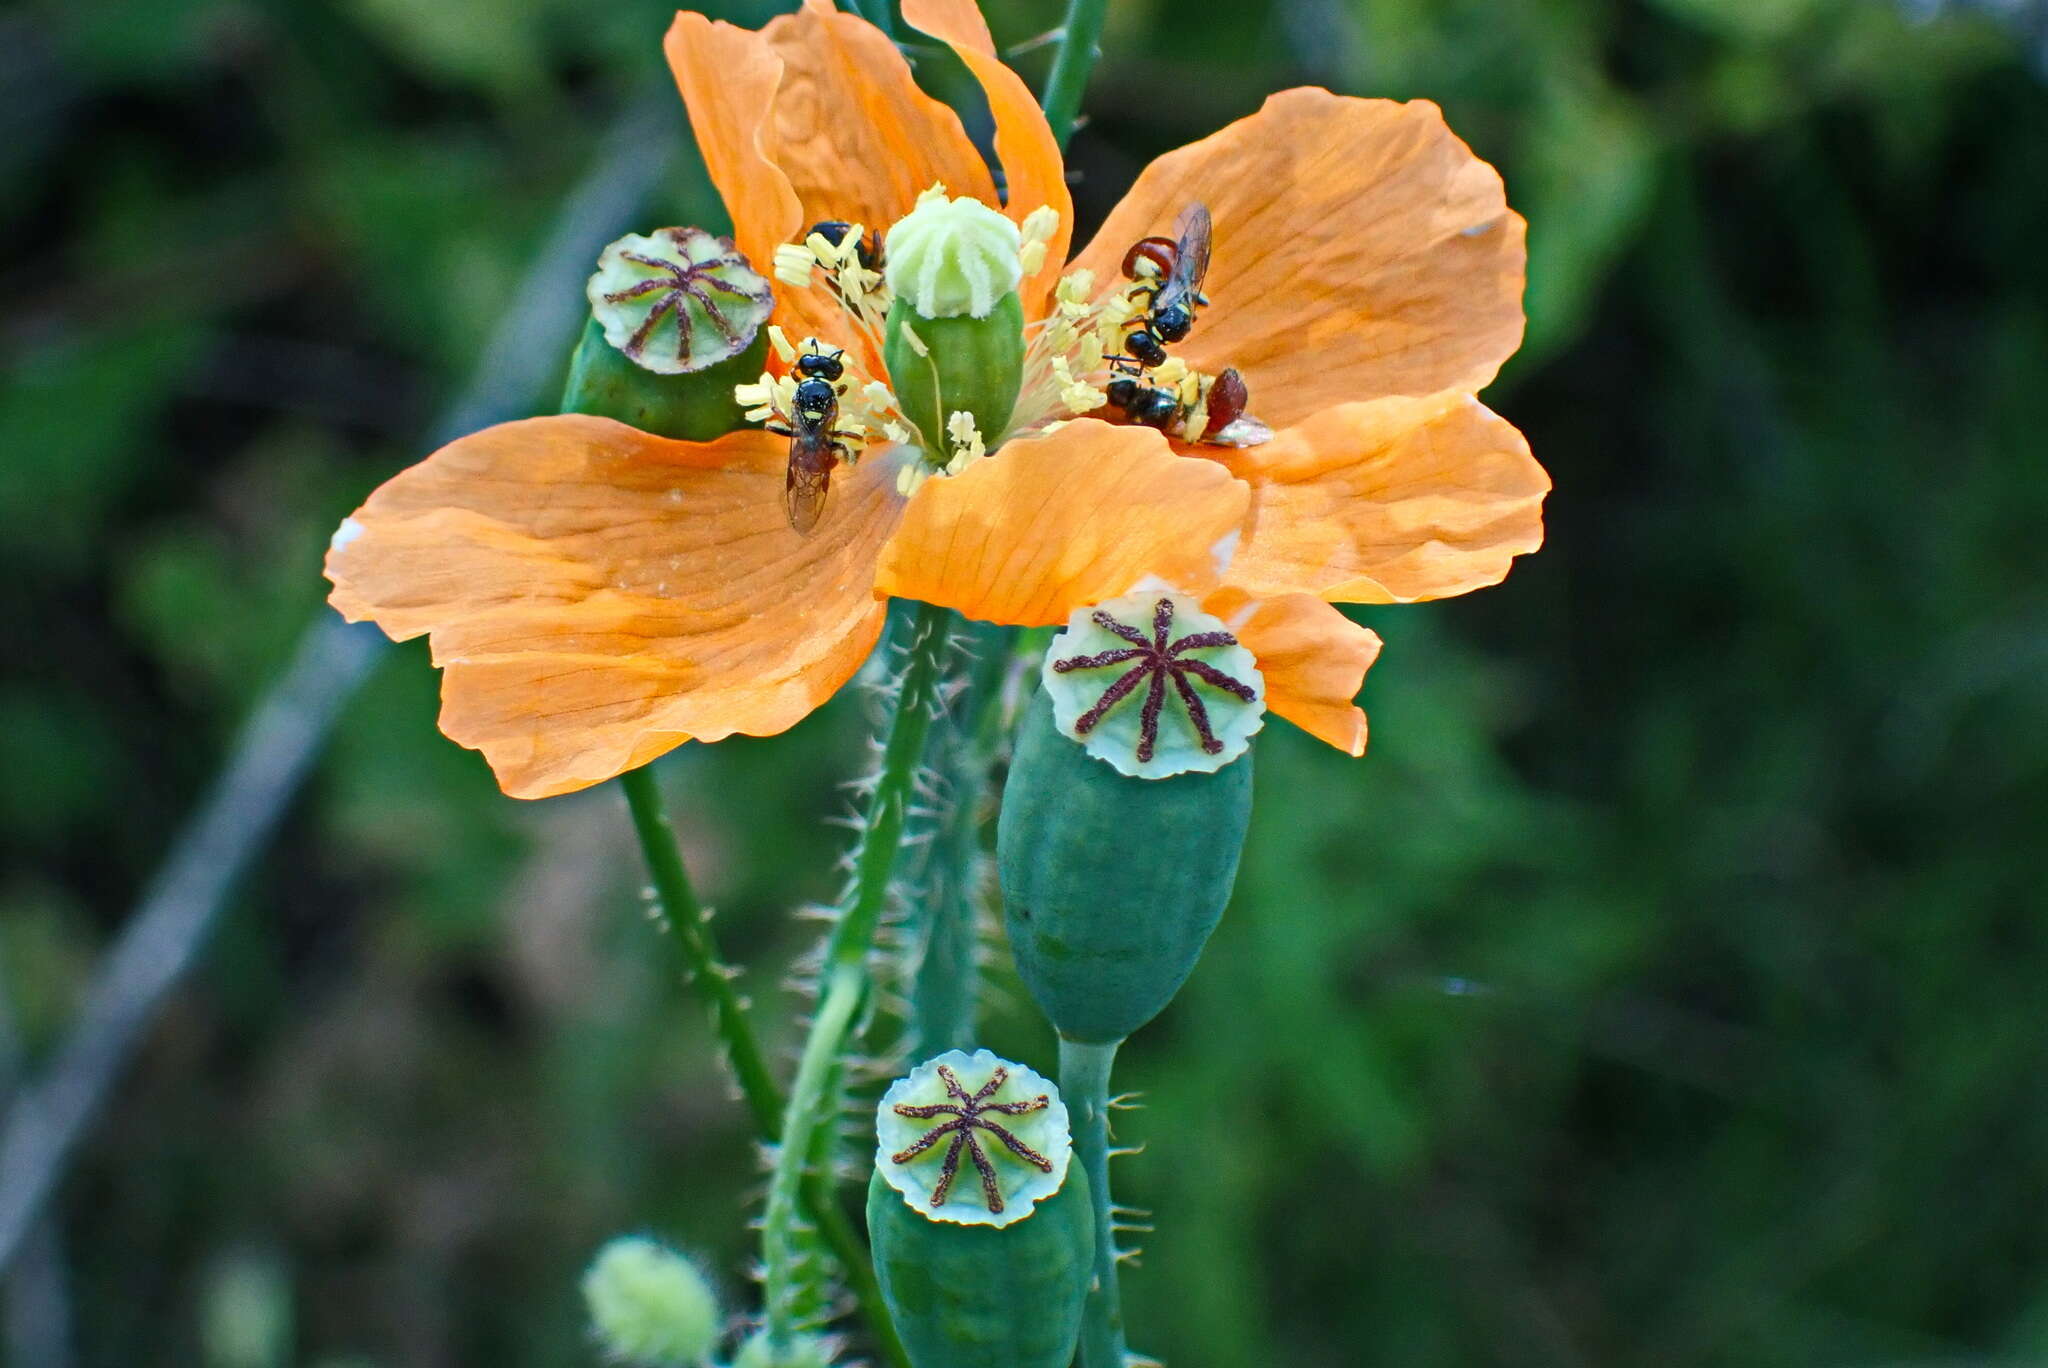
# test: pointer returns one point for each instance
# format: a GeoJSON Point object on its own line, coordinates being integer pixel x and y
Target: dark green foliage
{"type": "Point", "coordinates": [1663, 989]}
{"type": "Point", "coordinates": [982, 1296]}
{"type": "Point", "coordinates": [1111, 885]}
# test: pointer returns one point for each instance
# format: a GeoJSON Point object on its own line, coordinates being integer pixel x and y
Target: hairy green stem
{"type": "Point", "coordinates": [1070, 68]}
{"type": "Point", "coordinates": [945, 987]}
{"type": "Point", "coordinates": [698, 952]}
{"type": "Point", "coordinates": [874, 864]}
{"type": "Point", "coordinates": [845, 974]}
{"type": "Point", "coordinates": [695, 948]}
{"type": "Point", "coordinates": [807, 1111]}
{"type": "Point", "coordinates": [1084, 1087]}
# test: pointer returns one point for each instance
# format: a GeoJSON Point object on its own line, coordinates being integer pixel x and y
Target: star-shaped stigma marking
{"type": "Point", "coordinates": [695, 271]}
{"type": "Point", "coordinates": [1153, 662]}
{"type": "Point", "coordinates": [969, 1113]}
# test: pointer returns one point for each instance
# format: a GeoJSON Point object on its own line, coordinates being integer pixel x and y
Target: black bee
{"type": "Point", "coordinates": [1160, 408]}
{"type": "Point", "coordinates": [814, 440]}
{"type": "Point", "coordinates": [1172, 291]}
{"type": "Point", "coordinates": [1144, 404]}
{"type": "Point", "coordinates": [834, 231]}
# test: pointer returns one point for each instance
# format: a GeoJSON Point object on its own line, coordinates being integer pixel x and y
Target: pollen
{"type": "Point", "coordinates": [1078, 395]}
{"type": "Point", "coordinates": [966, 441]}
{"type": "Point", "coordinates": [1075, 292]}
{"type": "Point", "coordinates": [1037, 229]}
{"type": "Point", "coordinates": [793, 265]}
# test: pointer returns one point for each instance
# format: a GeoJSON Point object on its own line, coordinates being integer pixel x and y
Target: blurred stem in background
{"type": "Point", "coordinates": [1071, 65]}
{"type": "Point", "coordinates": [287, 728]}
{"type": "Point", "coordinates": [876, 12]}
{"type": "Point", "coordinates": [689, 931]}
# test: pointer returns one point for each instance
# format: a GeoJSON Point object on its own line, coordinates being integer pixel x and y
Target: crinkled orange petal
{"type": "Point", "coordinates": [1313, 658]}
{"type": "Point", "coordinates": [728, 78]}
{"type": "Point", "coordinates": [1052, 523]}
{"type": "Point", "coordinates": [1388, 502]}
{"type": "Point", "coordinates": [1033, 169]}
{"type": "Point", "coordinates": [1361, 250]}
{"type": "Point", "coordinates": [597, 596]}
{"type": "Point", "coordinates": [856, 137]}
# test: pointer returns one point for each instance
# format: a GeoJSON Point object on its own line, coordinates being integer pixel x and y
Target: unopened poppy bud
{"type": "Point", "coordinates": [649, 1306]}
{"type": "Point", "coordinates": [1112, 881]}
{"type": "Point", "coordinates": [949, 257]}
{"type": "Point", "coordinates": [802, 1351]}
{"type": "Point", "coordinates": [981, 1225]}
{"type": "Point", "coordinates": [955, 332]}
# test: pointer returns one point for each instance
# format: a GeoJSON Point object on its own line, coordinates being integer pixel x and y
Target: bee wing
{"type": "Point", "coordinates": [1191, 233]}
{"type": "Point", "coordinates": [804, 491]}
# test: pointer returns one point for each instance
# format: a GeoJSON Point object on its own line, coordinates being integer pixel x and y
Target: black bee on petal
{"type": "Point", "coordinates": [816, 443]}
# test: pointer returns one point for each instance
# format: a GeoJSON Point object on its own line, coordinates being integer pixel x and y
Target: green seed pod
{"type": "Point", "coordinates": [696, 407]}
{"type": "Point", "coordinates": [675, 322]}
{"type": "Point", "coordinates": [1112, 880]}
{"type": "Point", "coordinates": [943, 366]}
{"type": "Point", "coordinates": [991, 1271]}
{"type": "Point", "coordinates": [649, 1305]}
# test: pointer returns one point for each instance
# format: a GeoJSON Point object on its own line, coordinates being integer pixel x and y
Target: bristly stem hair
{"type": "Point", "coordinates": [945, 981]}
{"type": "Point", "coordinates": [845, 976]}
{"type": "Point", "coordinates": [697, 952]}
{"type": "Point", "coordinates": [1071, 65]}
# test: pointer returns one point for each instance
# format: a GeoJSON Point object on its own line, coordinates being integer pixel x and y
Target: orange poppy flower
{"type": "Point", "coordinates": [596, 595]}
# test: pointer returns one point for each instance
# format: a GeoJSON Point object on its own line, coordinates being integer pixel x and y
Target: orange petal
{"type": "Point", "coordinates": [1052, 523]}
{"type": "Point", "coordinates": [1313, 657]}
{"type": "Point", "coordinates": [728, 77]}
{"type": "Point", "coordinates": [1361, 250]}
{"type": "Point", "coordinates": [856, 137]}
{"type": "Point", "coordinates": [1033, 168]}
{"type": "Point", "coordinates": [1388, 502]}
{"type": "Point", "coordinates": [598, 596]}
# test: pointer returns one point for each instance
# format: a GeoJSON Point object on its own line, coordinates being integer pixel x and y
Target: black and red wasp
{"type": "Point", "coordinates": [1158, 407]}
{"type": "Point", "coordinates": [815, 441]}
{"type": "Point", "coordinates": [1172, 289]}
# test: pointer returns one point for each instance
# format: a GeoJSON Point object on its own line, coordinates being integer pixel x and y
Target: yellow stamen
{"type": "Point", "coordinates": [966, 439]}
{"type": "Point", "coordinates": [1078, 395]}
{"type": "Point", "coordinates": [793, 266]}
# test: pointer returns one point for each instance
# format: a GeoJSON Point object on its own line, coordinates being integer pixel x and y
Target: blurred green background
{"type": "Point", "coordinates": [1664, 988]}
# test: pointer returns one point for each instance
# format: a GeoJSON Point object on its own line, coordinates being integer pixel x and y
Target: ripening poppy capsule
{"type": "Point", "coordinates": [1126, 809]}
{"type": "Point", "coordinates": [675, 322]}
{"type": "Point", "coordinates": [980, 1221]}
